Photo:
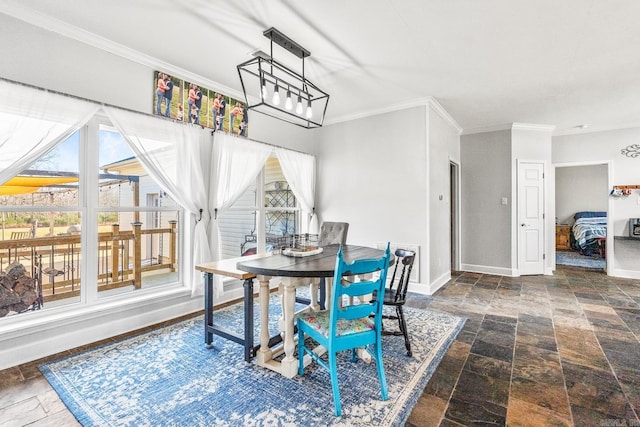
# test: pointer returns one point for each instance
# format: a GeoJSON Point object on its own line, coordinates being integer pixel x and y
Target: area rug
{"type": "Point", "coordinates": [167, 377]}
{"type": "Point", "coordinates": [576, 259]}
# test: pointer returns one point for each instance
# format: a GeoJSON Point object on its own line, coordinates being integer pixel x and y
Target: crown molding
{"type": "Point", "coordinates": [595, 129]}
{"type": "Point", "coordinates": [510, 126]}
{"type": "Point", "coordinates": [438, 108]}
{"type": "Point", "coordinates": [532, 127]}
{"type": "Point", "coordinates": [419, 102]}
{"type": "Point", "coordinates": [46, 22]}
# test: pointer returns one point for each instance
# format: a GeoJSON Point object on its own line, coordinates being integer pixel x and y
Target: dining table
{"type": "Point", "coordinates": [294, 272]}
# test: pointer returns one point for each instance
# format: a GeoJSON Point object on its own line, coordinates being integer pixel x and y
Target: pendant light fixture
{"type": "Point", "coordinates": [263, 71]}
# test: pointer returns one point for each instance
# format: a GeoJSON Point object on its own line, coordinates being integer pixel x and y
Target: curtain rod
{"type": "Point", "coordinates": [104, 104]}
{"type": "Point", "coordinates": [261, 142]}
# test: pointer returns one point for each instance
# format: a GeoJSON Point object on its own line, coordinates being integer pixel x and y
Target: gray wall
{"type": "Point", "coordinates": [580, 188]}
{"type": "Point", "coordinates": [485, 222]}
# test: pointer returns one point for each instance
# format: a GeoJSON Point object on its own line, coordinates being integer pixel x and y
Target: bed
{"type": "Point", "coordinates": [589, 227]}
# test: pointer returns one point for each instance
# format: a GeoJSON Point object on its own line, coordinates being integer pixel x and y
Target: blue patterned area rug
{"type": "Point", "coordinates": [576, 259]}
{"type": "Point", "coordinates": [167, 377]}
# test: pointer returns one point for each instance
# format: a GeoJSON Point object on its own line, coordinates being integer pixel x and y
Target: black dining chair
{"type": "Point", "coordinates": [396, 294]}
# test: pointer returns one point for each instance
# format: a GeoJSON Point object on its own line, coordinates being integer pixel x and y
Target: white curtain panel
{"type": "Point", "coordinates": [236, 162]}
{"type": "Point", "coordinates": [299, 170]}
{"type": "Point", "coordinates": [171, 154]}
{"type": "Point", "coordinates": [33, 122]}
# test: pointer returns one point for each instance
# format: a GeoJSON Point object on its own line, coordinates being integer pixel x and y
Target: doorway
{"type": "Point", "coordinates": [582, 198]}
{"type": "Point", "coordinates": [454, 197]}
{"type": "Point", "coordinates": [530, 215]}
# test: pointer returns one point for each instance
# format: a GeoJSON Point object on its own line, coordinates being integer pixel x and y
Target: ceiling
{"type": "Point", "coordinates": [488, 63]}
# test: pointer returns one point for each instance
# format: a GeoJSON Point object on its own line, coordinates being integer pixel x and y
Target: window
{"type": "Point", "coordinates": [249, 227]}
{"type": "Point", "coordinates": [41, 217]}
{"type": "Point", "coordinates": [85, 222]}
{"type": "Point", "coordinates": [137, 222]}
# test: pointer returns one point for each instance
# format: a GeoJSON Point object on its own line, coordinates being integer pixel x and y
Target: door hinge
{"type": "Point", "coordinates": [543, 216]}
{"type": "Point", "coordinates": [544, 256]}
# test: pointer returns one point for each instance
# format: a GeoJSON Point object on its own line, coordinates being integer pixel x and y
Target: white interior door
{"type": "Point", "coordinates": [530, 218]}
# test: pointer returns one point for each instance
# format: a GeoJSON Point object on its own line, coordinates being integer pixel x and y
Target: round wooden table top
{"type": "Point", "coordinates": [319, 265]}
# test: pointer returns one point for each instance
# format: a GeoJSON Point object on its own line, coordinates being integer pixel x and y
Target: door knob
{"type": "Point", "coordinates": [523, 225]}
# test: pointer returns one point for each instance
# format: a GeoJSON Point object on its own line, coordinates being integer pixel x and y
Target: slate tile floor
{"type": "Point", "coordinates": [555, 350]}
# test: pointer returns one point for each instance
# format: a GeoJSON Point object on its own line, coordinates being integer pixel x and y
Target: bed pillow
{"type": "Point", "coordinates": [589, 214]}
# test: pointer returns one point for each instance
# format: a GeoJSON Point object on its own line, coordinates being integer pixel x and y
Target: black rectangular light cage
{"type": "Point", "coordinates": [275, 90]}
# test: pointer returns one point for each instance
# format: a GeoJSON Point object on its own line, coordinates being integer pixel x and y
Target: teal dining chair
{"type": "Point", "coordinates": [347, 327]}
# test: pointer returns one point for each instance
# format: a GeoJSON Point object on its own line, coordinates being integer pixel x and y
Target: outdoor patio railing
{"type": "Point", "coordinates": [57, 260]}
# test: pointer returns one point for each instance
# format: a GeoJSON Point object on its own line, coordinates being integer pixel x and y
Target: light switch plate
{"type": "Point", "coordinates": [505, 201]}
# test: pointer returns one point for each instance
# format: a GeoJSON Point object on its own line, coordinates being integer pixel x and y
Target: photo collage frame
{"type": "Point", "coordinates": [188, 102]}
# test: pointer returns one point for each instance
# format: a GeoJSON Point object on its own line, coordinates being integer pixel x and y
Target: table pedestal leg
{"type": "Point", "coordinates": [289, 364]}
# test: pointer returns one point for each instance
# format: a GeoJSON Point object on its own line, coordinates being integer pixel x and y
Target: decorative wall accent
{"type": "Point", "coordinates": [188, 102]}
{"type": "Point", "coordinates": [631, 151]}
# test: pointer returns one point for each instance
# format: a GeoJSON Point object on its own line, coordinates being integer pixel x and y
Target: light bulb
{"type": "Point", "coordinates": [309, 111]}
{"type": "Point", "coordinates": [299, 105]}
{"type": "Point", "coordinates": [276, 95]}
{"type": "Point", "coordinates": [288, 104]}
{"type": "Point", "coordinates": [264, 90]}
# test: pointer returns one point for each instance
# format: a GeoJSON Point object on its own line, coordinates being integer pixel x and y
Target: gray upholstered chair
{"type": "Point", "coordinates": [331, 233]}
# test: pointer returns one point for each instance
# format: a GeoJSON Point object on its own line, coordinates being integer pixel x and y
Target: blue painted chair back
{"type": "Point", "coordinates": [364, 308]}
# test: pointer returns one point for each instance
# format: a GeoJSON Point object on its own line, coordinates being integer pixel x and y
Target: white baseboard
{"type": "Point", "coordinates": [485, 269]}
{"type": "Point", "coordinates": [627, 274]}
{"type": "Point", "coordinates": [439, 282]}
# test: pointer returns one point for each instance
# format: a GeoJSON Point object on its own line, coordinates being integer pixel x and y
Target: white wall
{"type": "Point", "coordinates": [605, 147]}
{"type": "Point", "coordinates": [444, 147]}
{"type": "Point", "coordinates": [580, 188]}
{"type": "Point", "coordinates": [372, 173]}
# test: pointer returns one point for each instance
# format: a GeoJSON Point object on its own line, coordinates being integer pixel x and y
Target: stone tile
{"type": "Point", "coordinates": [501, 319]}
{"type": "Point", "coordinates": [572, 322]}
{"type": "Point", "coordinates": [448, 423]}
{"type": "Point", "coordinates": [551, 397]}
{"type": "Point", "coordinates": [23, 412]}
{"type": "Point", "coordinates": [488, 367]}
{"type": "Point", "coordinates": [497, 338]}
{"type": "Point", "coordinates": [521, 413]}
{"type": "Point", "coordinates": [592, 417]}
{"type": "Point", "coordinates": [444, 379]}
{"type": "Point", "coordinates": [631, 317]}
{"type": "Point", "coordinates": [499, 352]}
{"type": "Point", "coordinates": [459, 350]}
{"type": "Point", "coordinates": [428, 411]}
{"type": "Point", "coordinates": [580, 346]}
{"type": "Point", "coordinates": [537, 364]}
{"type": "Point", "coordinates": [474, 412]}
{"type": "Point", "coordinates": [471, 386]}
{"type": "Point", "coordinates": [536, 329]}
{"type": "Point", "coordinates": [595, 389]}
{"type": "Point", "coordinates": [536, 340]}
{"type": "Point", "coordinates": [59, 419]}
{"type": "Point", "coordinates": [10, 377]}
{"type": "Point", "coordinates": [23, 391]}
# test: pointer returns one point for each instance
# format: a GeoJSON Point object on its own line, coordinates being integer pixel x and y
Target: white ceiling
{"type": "Point", "coordinates": [488, 63]}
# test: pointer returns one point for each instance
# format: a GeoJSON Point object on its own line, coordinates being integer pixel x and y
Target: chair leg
{"type": "Point", "coordinates": [403, 327]}
{"type": "Point", "coordinates": [300, 351]}
{"type": "Point", "coordinates": [333, 371]}
{"type": "Point", "coordinates": [380, 367]}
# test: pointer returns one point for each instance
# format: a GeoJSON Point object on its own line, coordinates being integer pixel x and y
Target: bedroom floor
{"type": "Point", "coordinates": [576, 259]}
